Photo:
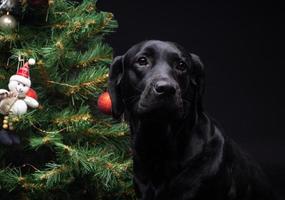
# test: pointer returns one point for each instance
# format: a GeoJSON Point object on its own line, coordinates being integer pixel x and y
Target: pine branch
{"type": "Point", "coordinates": [54, 175]}
{"type": "Point", "coordinates": [88, 82]}
{"type": "Point", "coordinates": [9, 178]}
{"type": "Point", "coordinates": [98, 53]}
{"type": "Point", "coordinates": [8, 37]}
{"type": "Point", "coordinates": [50, 138]}
{"type": "Point", "coordinates": [73, 120]}
{"type": "Point", "coordinates": [71, 71]}
{"type": "Point", "coordinates": [44, 75]}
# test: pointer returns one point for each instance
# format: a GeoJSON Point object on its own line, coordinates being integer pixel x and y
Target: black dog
{"type": "Point", "coordinates": [180, 153]}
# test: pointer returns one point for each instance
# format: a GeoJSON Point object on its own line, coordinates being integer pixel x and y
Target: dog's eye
{"type": "Point", "coordinates": [142, 61]}
{"type": "Point", "coordinates": [181, 66]}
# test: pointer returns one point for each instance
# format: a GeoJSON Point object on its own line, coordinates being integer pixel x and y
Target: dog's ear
{"type": "Point", "coordinates": [198, 77]}
{"type": "Point", "coordinates": [115, 77]}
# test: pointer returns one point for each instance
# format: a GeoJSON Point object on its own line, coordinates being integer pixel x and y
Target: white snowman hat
{"type": "Point", "coordinates": [23, 73]}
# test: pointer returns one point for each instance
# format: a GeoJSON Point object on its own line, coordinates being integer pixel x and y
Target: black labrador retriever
{"type": "Point", "coordinates": [179, 152]}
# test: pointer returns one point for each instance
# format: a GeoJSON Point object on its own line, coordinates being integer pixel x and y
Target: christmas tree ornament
{"type": "Point", "coordinates": [8, 22]}
{"type": "Point", "coordinates": [5, 126]}
{"type": "Point", "coordinates": [104, 103]}
{"type": "Point", "coordinates": [16, 101]}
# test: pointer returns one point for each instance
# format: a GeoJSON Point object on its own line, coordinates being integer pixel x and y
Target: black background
{"type": "Point", "coordinates": [241, 47]}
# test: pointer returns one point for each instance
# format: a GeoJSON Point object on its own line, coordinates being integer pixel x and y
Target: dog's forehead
{"type": "Point", "coordinates": [157, 46]}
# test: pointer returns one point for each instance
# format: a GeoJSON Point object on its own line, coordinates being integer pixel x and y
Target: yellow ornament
{"type": "Point", "coordinates": [5, 126]}
{"type": "Point", "coordinates": [15, 119]}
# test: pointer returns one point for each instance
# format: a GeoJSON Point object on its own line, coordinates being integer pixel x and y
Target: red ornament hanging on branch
{"type": "Point", "coordinates": [104, 103]}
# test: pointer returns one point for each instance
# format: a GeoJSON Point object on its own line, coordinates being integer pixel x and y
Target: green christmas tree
{"type": "Point", "coordinates": [68, 149]}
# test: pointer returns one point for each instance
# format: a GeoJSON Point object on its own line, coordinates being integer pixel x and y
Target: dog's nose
{"type": "Point", "coordinates": [164, 88]}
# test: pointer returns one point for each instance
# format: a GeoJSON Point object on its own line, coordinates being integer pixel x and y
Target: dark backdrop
{"type": "Point", "coordinates": [241, 47]}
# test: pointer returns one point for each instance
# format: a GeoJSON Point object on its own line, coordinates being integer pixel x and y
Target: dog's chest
{"type": "Point", "coordinates": [156, 186]}
{"type": "Point", "coordinates": [155, 160]}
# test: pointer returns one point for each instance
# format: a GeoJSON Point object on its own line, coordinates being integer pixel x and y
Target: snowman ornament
{"type": "Point", "coordinates": [16, 101]}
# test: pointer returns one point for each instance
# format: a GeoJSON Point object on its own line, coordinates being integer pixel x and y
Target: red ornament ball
{"type": "Point", "coordinates": [104, 103]}
{"type": "Point", "coordinates": [32, 93]}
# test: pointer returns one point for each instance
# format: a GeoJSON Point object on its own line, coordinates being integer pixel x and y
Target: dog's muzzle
{"type": "Point", "coordinates": [160, 97]}
{"type": "Point", "coordinates": [164, 88]}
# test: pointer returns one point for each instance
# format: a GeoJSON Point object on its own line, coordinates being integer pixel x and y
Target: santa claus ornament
{"type": "Point", "coordinates": [16, 101]}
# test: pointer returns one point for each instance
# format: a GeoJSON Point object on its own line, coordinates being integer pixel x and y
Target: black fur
{"type": "Point", "coordinates": [179, 152]}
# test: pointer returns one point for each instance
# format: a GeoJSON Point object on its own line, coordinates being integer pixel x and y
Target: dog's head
{"type": "Point", "coordinates": [156, 79]}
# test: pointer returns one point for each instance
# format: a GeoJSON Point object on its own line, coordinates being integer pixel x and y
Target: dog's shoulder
{"type": "Point", "coordinates": [236, 174]}
{"type": "Point", "coordinates": [242, 175]}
